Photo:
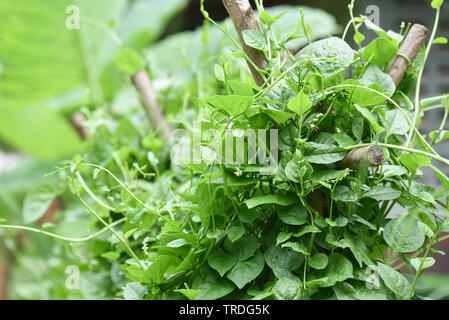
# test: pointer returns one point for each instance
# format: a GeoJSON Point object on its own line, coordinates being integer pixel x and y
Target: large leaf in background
{"type": "Point", "coordinates": [46, 65]}
{"type": "Point", "coordinates": [178, 58]}
{"type": "Point", "coordinates": [321, 22]}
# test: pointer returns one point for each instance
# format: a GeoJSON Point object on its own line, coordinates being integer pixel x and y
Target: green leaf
{"type": "Point", "coordinates": [128, 61]}
{"type": "Point", "coordinates": [426, 263]}
{"type": "Point", "coordinates": [373, 75]}
{"type": "Point", "coordinates": [440, 40]}
{"type": "Point", "coordinates": [323, 153]}
{"type": "Point", "coordinates": [436, 4]}
{"type": "Point", "coordinates": [392, 170]}
{"type": "Point", "coordinates": [177, 243]}
{"type": "Point", "coordinates": [214, 289]}
{"type": "Point", "coordinates": [254, 39]}
{"type": "Point", "coordinates": [381, 51]}
{"type": "Point", "coordinates": [338, 269]}
{"type": "Point", "coordinates": [37, 202]}
{"type": "Point", "coordinates": [282, 237]}
{"type": "Point", "coordinates": [278, 258]}
{"type": "Point", "coordinates": [134, 291]}
{"type": "Point", "coordinates": [403, 234]}
{"type": "Point", "coordinates": [395, 281]}
{"type": "Point", "coordinates": [295, 215]}
{"type": "Point", "coordinates": [301, 104]}
{"type": "Point", "coordinates": [319, 261]}
{"type": "Point", "coordinates": [414, 161]}
{"type": "Point", "coordinates": [221, 261]}
{"type": "Point", "coordinates": [243, 247]}
{"type": "Point", "coordinates": [335, 53]}
{"type": "Point", "coordinates": [246, 271]}
{"type": "Point", "coordinates": [343, 193]}
{"type": "Point", "coordinates": [306, 229]}
{"type": "Point", "coordinates": [233, 105]}
{"type": "Point", "coordinates": [358, 249]}
{"type": "Point", "coordinates": [441, 176]}
{"type": "Point", "coordinates": [111, 255]}
{"type": "Point", "coordinates": [235, 233]}
{"type": "Point", "coordinates": [371, 119]}
{"type": "Point", "coordinates": [296, 246]}
{"type": "Point", "coordinates": [159, 269]}
{"type": "Point", "coordinates": [383, 193]}
{"type": "Point", "coordinates": [282, 200]}
{"type": "Point", "coordinates": [188, 293]}
{"type": "Point", "coordinates": [288, 289]}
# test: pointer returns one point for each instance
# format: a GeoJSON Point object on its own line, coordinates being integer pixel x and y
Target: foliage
{"type": "Point", "coordinates": [311, 230]}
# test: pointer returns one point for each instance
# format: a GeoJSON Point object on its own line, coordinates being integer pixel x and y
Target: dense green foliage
{"type": "Point", "coordinates": [210, 230]}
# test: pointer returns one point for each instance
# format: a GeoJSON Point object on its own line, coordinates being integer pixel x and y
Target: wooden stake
{"type": "Point", "coordinates": [77, 120]}
{"type": "Point", "coordinates": [153, 110]}
{"type": "Point", "coordinates": [243, 17]}
{"type": "Point", "coordinates": [363, 157]}
{"type": "Point", "coordinates": [407, 53]}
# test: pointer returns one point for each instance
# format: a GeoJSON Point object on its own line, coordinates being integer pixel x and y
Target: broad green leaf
{"type": "Point", "coordinates": [177, 243]}
{"type": "Point", "coordinates": [381, 51]}
{"type": "Point", "coordinates": [233, 105]}
{"type": "Point", "coordinates": [414, 161]}
{"type": "Point", "coordinates": [403, 234]}
{"type": "Point", "coordinates": [128, 61]}
{"type": "Point", "coordinates": [383, 193]}
{"type": "Point", "coordinates": [335, 53]}
{"type": "Point", "coordinates": [392, 170]}
{"type": "Point", "coordinates": [246, 271]}
{"type": "Point", "coordinates": [37, 202]}
{"type": "Point", "coordinates": [358, 248]}
{"type": "Point", "coordinates": [235, 233]}
{"type": "Point", "coordinates": [294, 215]}
{"type": "Point", "coordinates": [339, 269]}
{"type": "Point", "coordinates": [188, 293]}
{"type": "Point", "coordinates": [436, 4]}
{"type": "Point", "coordinates": [214, 289]}
{"type": "Point", "coordinates": [243, 247]}
{"type": "Point", "coordinates": [278, 258]}
{"type": "Point", "coordinates": [301, 104]}
{"type": "Point", "coordinates": [282, 200]}
{"type": "Point", "coordinates": [323, 153]}
{"type": "Point", "coordinates": [288, 289]}
{"type": "Point", "coordinates": [134, 291]}
{"type": "Point", "coordinates": [395, 281]}
{"type": "Point", "coordinates": [159, 269]}
{"type": "Point", "coordinates": [221, 261]}
{"type": "Point", "coordinates": [373, 75]}
{"type": "Point", "coordinates": [254, 39]}
{"type": "Point", "coordinates": [426, 263]}
{"type": "Point", "coordinates": [343, 193]}
{"type": "Point", "coordinates": [282, 237]}
{"type": "Point", "coordinates": [396, 122]}
{"type": "Point", "coordinates": [344, 291]}
{"type": "Point", "coordinates": [319, 261]}
{"type": "Point", "coordinates": [440, 40]}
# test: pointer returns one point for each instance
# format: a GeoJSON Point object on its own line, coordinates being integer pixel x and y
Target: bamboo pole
{"type": "Point", "coordinates": [363, 157]}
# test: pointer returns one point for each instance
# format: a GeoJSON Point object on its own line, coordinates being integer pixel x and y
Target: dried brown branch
{"type": "Point", "coordinates": [153, 110]}
{"type": "Point", "coordinates": [78, 123]}
{"type": "Point", "coordinates": [243, 17]}
{"type": "Point", "coordinates": [363, 157]}
{"type": "Point", "coordinates": [407, 53]}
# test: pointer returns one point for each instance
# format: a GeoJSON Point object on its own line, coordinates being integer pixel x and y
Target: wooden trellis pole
{"type": "Point", "coordinates": [243, 17]}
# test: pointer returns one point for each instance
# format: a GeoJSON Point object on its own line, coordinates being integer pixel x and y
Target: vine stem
{"type": "Point", "coordinates": [420, 75]}
{"type": "Point", "coordinates": [59, 237]}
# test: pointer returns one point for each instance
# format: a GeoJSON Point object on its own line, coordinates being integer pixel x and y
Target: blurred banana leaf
{"type": "Point", "coordinates": [44, 60]}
